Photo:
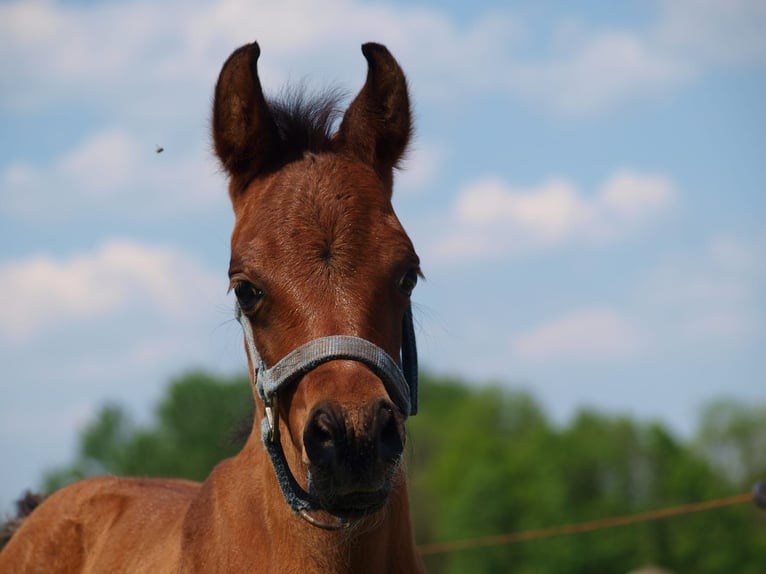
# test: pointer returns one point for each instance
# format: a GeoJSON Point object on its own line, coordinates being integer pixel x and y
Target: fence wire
{"type": "Point", "coordinates": [588, 526]}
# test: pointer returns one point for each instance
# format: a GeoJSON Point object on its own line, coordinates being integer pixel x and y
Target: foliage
{"type": "Point", "coordinates": [486, 460]}
{"type": "Point", "coordinates": [191, 433]}
{"type": "Point", "coordinates": [732, 436]}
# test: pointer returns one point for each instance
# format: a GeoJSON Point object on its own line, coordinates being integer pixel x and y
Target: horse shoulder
{"type": "Point", "coordinates": [103, 524]}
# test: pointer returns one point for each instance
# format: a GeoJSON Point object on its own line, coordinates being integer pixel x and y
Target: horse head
{"type": "Point", "coordinates": [318, 254]}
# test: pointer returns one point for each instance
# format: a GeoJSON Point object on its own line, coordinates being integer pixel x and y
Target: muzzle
{"type": "Point", "coordinates": [400, 379]}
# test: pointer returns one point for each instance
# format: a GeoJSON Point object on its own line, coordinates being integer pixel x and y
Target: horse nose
{"type": "Point", "coordinates": [387, 432]}
{"type": "Point", "coordinates": [353, 441]}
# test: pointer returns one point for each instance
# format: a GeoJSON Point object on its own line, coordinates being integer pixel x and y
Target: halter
{"type": "Point", "coordinates": [401, 383]}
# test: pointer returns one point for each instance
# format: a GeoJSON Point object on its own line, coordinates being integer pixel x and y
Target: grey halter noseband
{"type": "Point", "coordinates": [401, 383]}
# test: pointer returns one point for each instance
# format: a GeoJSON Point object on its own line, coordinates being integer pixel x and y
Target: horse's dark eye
{"type": "Point", "coordinates": [247, 294]}
{"type": "Point", "coordinates": [408, 282]}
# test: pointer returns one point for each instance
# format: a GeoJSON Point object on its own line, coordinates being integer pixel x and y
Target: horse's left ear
{"type": "Point", "coordinates": [377, 125]}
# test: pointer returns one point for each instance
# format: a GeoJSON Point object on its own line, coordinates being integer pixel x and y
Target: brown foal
{"type": "Point", "coordinates": [316, 251]}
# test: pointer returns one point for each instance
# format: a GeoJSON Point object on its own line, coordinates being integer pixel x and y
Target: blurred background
{"type": "Point", "coordinates": [585, 190]}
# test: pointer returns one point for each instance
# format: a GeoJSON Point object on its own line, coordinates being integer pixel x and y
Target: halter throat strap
{"type": "Point", "coordinates": [401, 383]}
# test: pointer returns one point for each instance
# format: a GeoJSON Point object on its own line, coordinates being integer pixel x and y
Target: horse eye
{"type": "Point", "coordinates": [408, 282]}
{"type": "Point", "coordinates": [247, 294]}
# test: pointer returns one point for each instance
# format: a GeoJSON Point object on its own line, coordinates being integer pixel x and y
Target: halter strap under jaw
{"type": "Point", "coordinates": [401, 383]}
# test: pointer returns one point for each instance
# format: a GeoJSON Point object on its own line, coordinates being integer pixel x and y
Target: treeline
{"type": "Point", "coordinates": [486, 460]}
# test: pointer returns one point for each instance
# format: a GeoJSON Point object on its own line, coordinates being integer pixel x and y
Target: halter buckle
{"type": "Point", "coordinates": [272, 416]}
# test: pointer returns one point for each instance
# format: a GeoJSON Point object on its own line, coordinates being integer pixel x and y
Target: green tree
{"type": "Point", "coordinates": [469, 461]}
{"type": "Point", "coordinates": [190, 434]}
{"type": "Point", "coordinates": [485, 460]}
{"type": "Point", "coordinates": [732, 436]}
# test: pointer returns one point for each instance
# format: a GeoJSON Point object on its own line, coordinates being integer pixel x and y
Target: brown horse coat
{"type": "Point", "coordinates": [316, 250]}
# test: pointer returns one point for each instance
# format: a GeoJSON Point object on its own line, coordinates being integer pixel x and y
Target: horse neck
{"type": "Point", "coordinates": [248, 525]}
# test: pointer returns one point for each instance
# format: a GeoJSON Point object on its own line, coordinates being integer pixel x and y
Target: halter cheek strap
{"type": "Point", "coordinates": [400, 382]}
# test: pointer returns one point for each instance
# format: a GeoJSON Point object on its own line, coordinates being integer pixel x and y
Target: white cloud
{"type": "Point", "coordinates": [594, 70]}
{"type": "Point", "coordinates": [605, 69]}
{"type": "Point", "coordinates": [549, 211]}
{"type": "Point", "coordinates": [710, 298]}
{"type": "Point", "coordinates": [421, 166]}
{"type": "Point", "coordinates": [594, 334]}
{"type": "Point", "coordinates": [111, 171]}
{"type": "Point", "coordinates": [100, 166]}
{"type": "Point", "coordinates": [41, 292]}
{"type": "Point", "coordinates": [142, 52]}
{"type": "Point", "coordinates": [713, 32]}
{"type": "Point", "coordinates": [635, 196]}
{"type": "Point", "coordinates": [55, 51]}
{"type": "Point", "coordinates": [708, 301]}
{"type": "Point", "coordinates": [734, 255]}
{"type": "Point", "coordinates": [491, 218]}
{"type": "Point", "coordinates": [160, 57]}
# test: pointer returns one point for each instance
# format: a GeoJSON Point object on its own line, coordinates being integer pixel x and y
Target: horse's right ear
{"type": "Point", "coordinates": [245, 135]}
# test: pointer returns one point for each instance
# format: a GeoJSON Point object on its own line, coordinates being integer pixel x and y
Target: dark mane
{"type": "Point", "coordinates": [306, 122]}
{"type": "Point", "coordinates": [24, 507]}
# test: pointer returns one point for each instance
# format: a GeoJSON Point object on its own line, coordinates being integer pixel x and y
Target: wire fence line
{"type": "Point", "coordinates": [588, 526]}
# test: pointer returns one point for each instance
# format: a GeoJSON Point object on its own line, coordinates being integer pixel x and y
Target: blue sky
{"type": "Point", "coordinates": [586, 191]}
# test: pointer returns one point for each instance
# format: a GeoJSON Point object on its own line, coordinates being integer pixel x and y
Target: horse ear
{"type": "Point", "coordinates": [377, 125]}
{"type": "Point", "coordinates": [245, 135]}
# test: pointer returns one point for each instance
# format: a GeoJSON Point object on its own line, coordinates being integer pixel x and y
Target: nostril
{"type": "Point", "coordinates": [321, 435]}
{"type": "Point", "coordinates": [390, 441]}
{"type": "Point", "coordinates": [322, 430]}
